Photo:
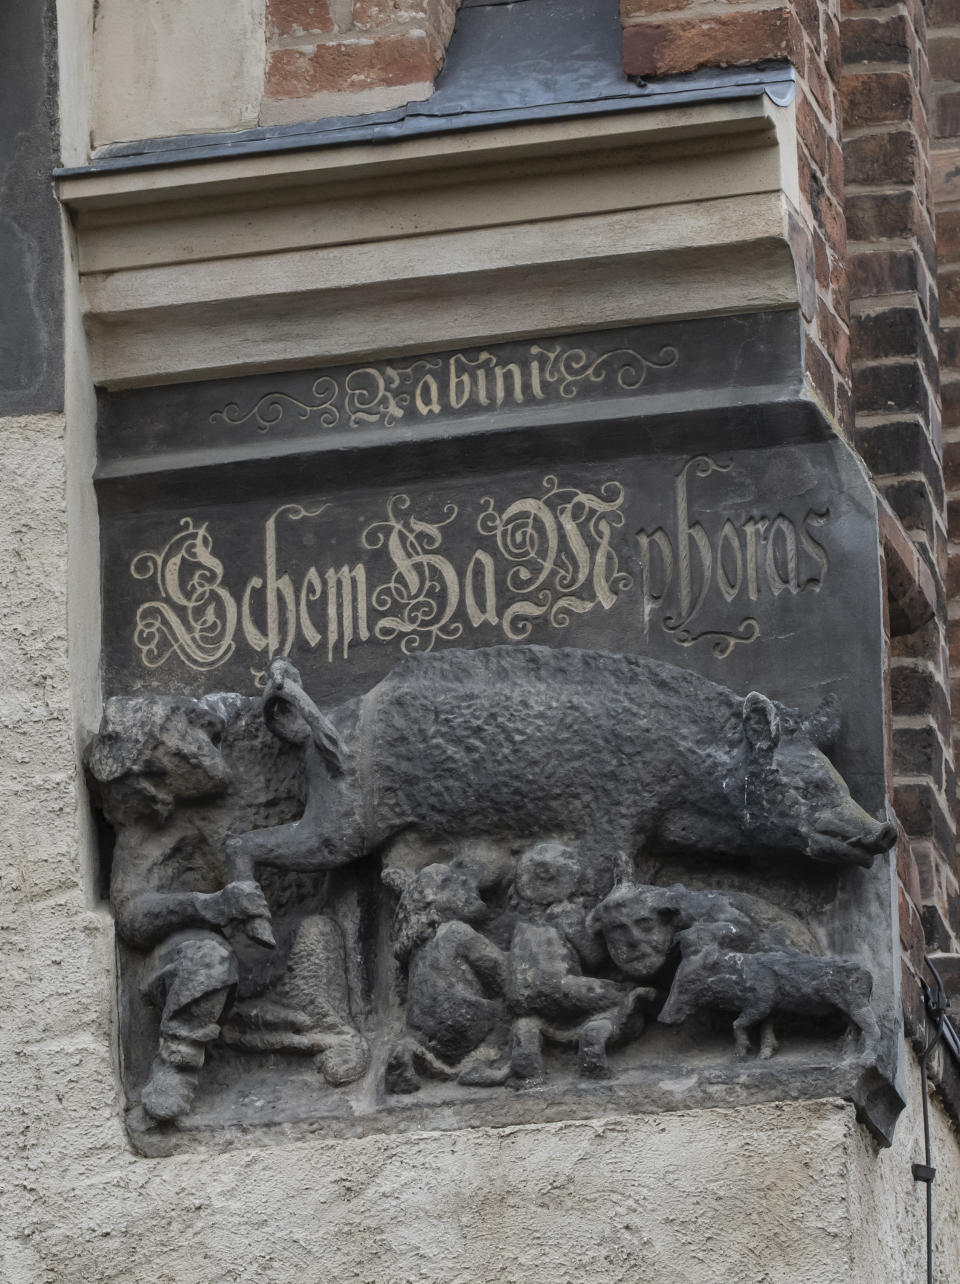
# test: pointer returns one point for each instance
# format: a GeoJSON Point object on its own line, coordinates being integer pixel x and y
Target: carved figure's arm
{"type": "Point", "coordinates": [145, 920]}
{"type": "Point", "coordinates": [571, 922]}
{"type": "Point", "coordinates": [145, 916]}
{"type": "Point", "coordinates": [294, 847]}
{"type": "Point", "coordinates": [488, 961]}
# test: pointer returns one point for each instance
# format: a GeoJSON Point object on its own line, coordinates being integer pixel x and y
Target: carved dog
{"type": "Point", "coordinates": [612, 752]}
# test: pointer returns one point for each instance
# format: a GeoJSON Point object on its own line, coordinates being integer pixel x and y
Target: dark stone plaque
{"type": "Point", "coordinates": [664, 494]}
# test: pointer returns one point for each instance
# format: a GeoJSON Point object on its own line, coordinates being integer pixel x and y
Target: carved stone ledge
{"type": "Point", "coordinates": [255, 263]}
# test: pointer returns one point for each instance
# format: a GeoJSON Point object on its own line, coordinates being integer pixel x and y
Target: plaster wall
{"type": "Point", "coordinates": [172, 67]}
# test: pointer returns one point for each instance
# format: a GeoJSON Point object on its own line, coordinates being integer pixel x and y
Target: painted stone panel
{"type": "Point", "coordinates": [548, 779]}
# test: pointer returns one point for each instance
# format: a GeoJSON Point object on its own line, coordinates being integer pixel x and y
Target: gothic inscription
{"type": "Point", "coordinates": [513, 566]}
{"type": "Point", "coordinates": [385, 393]}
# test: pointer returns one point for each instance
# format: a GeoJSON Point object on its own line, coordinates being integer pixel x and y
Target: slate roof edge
{"type": "Point", "coordinates": [775, 80]}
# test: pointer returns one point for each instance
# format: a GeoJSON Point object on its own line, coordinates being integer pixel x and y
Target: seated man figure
{"type": "Point", "coordinates": [160, 774]}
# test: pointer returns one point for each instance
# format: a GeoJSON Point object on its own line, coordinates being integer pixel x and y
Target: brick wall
{"type": "Point", "coordinates": [943, 17]}
{"type": "Point", "coordinates": [894, 349]}
{"type": "Point", "coordinates": [361, 54]}
{"type": "Point", "coordinates": [667, 37]}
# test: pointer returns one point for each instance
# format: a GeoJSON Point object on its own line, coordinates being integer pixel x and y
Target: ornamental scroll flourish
{"type": "Point", "coordinates": [272, 406]}
{"type": "Point", "coordinates": [570, 369]}
{"type": "Point", "coordinates": [439, 386]}
{"type": "Point", "coordinates": [552, 561]}
{"type": "Point", "coordinates": [195, 616]}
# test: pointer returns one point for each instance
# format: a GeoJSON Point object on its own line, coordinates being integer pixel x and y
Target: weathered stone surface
{"type": "Point", "coordinates": [467, 581]}
{"type": "Point", "coordinates": [509, 796]}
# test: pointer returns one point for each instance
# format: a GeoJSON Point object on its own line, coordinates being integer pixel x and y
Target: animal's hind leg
{"type": "Point", "coordinates": [748, 1018]}
{"type": "Point", "coordinates": [768, 1040]}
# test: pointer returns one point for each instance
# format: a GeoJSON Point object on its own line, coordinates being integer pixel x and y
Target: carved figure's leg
{"type": "Point", "coordinates": [316, 986]}
{"type": "Point", "coordinates": [484, 1074]}
{"type": "Point", "coordinates": [768, 1041]}
{"type": "Point", "coordinates": [190, 977]}
{"type": "Point", "coordinates": [526, 1050]}
{"type": "Point", "coordinates": [401, 1075]}
{"type": "Point", "coordinates": [594, 1038]}
{"type": "Point", "coordinates": [169, 1091]}
{"type": "Point", "coordinates": [590, 994]}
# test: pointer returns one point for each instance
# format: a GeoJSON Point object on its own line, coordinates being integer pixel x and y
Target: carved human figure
{"type": "Point", "coordinates": [157, 762]}
{"type": "Point", "coordinates": [455, 978]}
{"type": "Point", "coordinates": [192, 915]}
{"type": "Point", "coordinates": [641, 924]}
{"type": "Point", "coordinates": [548, 993]}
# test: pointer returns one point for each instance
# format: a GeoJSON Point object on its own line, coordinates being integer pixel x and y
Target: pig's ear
{"type": "Point", "coordinates": [761, 724]}
{"type": "Point", "coordinates": [823, 725]}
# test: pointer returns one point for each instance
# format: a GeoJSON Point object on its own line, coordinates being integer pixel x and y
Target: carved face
{"type": "Point", "coordinates": [188, 754]}
{"type": "Point", "coordinates": [795, 799]}
{"type": "Point", "coordinates": [430, 896]}
{"type": "Point", "coordinates": [639, 926]}
{"type": "Point", "coordinates": [153, 750]}
{"type": "Point", "coordinates": [439, 891]}
{"type": "Point", "coordinates": [547, 873]}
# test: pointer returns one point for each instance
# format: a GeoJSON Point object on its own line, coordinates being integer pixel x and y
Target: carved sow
{"type": "Point", "coordinates": [610, 752]}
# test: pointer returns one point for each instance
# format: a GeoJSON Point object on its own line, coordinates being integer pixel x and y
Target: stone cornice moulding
{"type": "Point", "coordinates": [241, 264]}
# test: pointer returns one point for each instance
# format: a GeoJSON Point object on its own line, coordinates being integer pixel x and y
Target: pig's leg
{"type": "Point", "coordinates": [768, 1041]}
{"type": "Point", "coordinates": [526, 1050]}
{"type": "Point", "coordinates": [750, 1016]}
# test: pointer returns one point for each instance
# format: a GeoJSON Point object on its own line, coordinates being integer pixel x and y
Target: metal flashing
{"type": "Point", "coordinates": [509, 62]}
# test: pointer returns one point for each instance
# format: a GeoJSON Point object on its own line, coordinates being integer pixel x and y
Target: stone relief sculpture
{"type": "Point", "coordinates": [199, 927]}
{"type": "Point", "coordinates": [734, 957]}
{"type": "Point", "coordinates": [470, 835]}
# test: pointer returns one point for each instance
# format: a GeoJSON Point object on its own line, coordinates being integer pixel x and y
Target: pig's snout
{"type": "Point", "coordinates": [849, 835]}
